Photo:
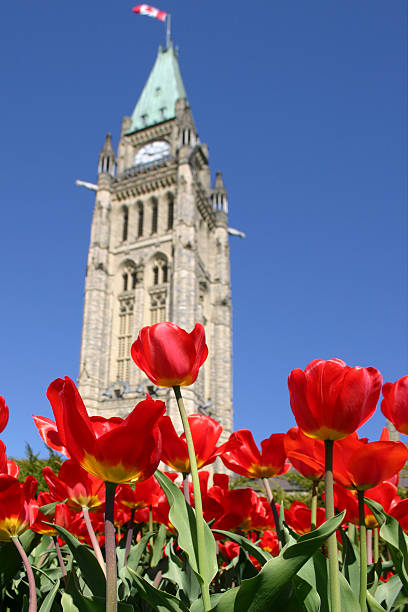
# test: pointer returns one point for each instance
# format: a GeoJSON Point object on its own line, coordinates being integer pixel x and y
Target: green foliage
{"type": "Point", "coordinates": [32, 465]}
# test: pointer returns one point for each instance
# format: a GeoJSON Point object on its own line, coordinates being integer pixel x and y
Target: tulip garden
{"type": "Point", "coordinates": [142, 518]}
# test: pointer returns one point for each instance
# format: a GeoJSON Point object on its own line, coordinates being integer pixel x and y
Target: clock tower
{"type": "Point", "coordinates": [158, 252]}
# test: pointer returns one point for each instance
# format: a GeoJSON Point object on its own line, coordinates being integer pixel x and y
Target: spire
{"type": "Point", "coordinates": [163, 88]}
{"type": "Point", "coordinates": [219, 194]}
{"type": "Point", "coordinates": [107, 159]}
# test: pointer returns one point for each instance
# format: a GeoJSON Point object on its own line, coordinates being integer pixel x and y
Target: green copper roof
{"type": "Point", "coordinates": [164, 86]}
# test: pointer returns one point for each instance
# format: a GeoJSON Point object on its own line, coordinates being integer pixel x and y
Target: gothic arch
{"type": "Point", "coordinates": [126, 278]}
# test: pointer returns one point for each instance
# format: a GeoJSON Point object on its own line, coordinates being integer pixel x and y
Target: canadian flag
{"type": "Point", "coordinates": [150, 11]}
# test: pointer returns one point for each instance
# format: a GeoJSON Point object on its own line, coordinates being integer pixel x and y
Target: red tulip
{"type": "Point", "coordinates": [330, 400]}
{"type": "Point", "coordinates": [80, 488]}
{"type": "Point", "coordinates": [400, 512]}
{"type": "Point", "coordinates": [305, 454]}
{"type": "Point", "coordinates": [244, 457]}
{"type": "Point", "coordinates": [270, 542]}
{"type": "Point", "coordinates": [144, 494]}
{"type": "Point", "coordinates": [298, 516]}
{"type": "Point", "coordinates": [229, 549]}
{"type": "Point", "coordinates": [72, 522]}
{"type": "Point", "coordinates": [18, 507]}
{"type": "Point", "coordinates": [41, 523]}
{"type": "Point", "coordinates": [205, 432]}
{"type": "Point", "coordinates": [168, 355]}
{"type": "Point", "coordinates": [245, 510]}
{"type": "Point", "coordinates": [48, 431]}
{"type": "Point", "coordinates": [385, 494]}
{"type": "Point", "coordinates": [395, 403]}
{"type": "Point", "coordinates": [114, 450]}
{"type": "Point", "coordinates": [4, 414]}
{"type": "Point", "coordinates": [359, 464]}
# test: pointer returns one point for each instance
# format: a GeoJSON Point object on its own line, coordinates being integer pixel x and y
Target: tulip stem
{"type": "Point", "coordinates": [363, 552]}
{"type": "Point", "coordinates": [369, 546]}
{"type": "Point", "coordinates": [186, 489]}
{"type": "Point", "coordinates": [332, 541]}
{"type": "Point", "coordinates": [92, 537]}
{"type": "Point", "coordinates": [60, 559]}
{"type": "Point", "coordinates": [376, 545]}
{"type": "Point", "coordinates": [202, 556]}
{"type": "Point", "coordinates": [274, 512]}
{"type": "Point", "coordinates": [313, 513]}
{"type": "Point", "coordinates": [32, 606]}
{"type": "Point", "coordinates": [110, 547]}
{"type": "Point", "coordinates": [129, 536]}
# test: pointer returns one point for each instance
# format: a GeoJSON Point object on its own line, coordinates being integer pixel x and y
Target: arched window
{"type": "Point", "coordinates": [156, 275]}
{"type": "Point", "coordinates": [139, 219]}
{"type": "Point", "coordinates": [165, 274]}
{"type": "Point", "coordinates": [155, 211]}
{"type": "Point", "coordinates": [125, 337]}
{"type": "Point", "coordinates": [170, 212]}
{"type": "Point", "coordinates": [125, 281]}
{"type": "Point", "coordinates": [125, 225]}
{"type": "Point", "coordinates": [134, 280]}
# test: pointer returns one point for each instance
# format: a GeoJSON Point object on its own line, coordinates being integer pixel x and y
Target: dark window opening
{"type": "Point", "coordinates": [134, 280]}
{"type": "Point", "coordinates": [125, 282]}
{"type": "Point", "coordinates": [140, 221]}
{"type": "Point", "coordinates": [154, 216]}
{"type": "Point", "coordinates": [156, 275]}
{"type": "Point", "coordinates": [170, 214]}
{"type": "Point", "coordinates": [125, 224]}
{"type": "Point", "coordinates": [165, 274]}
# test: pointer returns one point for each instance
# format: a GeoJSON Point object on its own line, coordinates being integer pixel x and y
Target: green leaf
{"type": "Point", "coordinates": [388, 592]}
{"type": "Point", "coordinates": [49, 509]}
{"type": "Point", "coordinates": [260, 555]}
{"type": "Point", "coordinates": [395, 538]}
{"type": "Point", "coordinates": [306, 596]}
{"type": "Point", "coordinates": [159, 600]}
{"type": "Point", "coordinates": [372, 604]}
{"type": "Point", "coordinates": [197, 605]}
{"type": "Point", "coordinates": [91, 571]}
{"type": "Point", "coordinates": [135, 553]}
{"type": "Point", "coordinates": [158, 546]}
{"type": "Point", "coordinates": [47, 604]}
{"type": "Point", "coordinates": [67, 603]}
{"type": "Point", "coordinates": [315, 572]}
{"type": "Point", "coordinates": [182, 516]}
{"type": "Point", "coordinates": [351, 561]}
{"type": "Point", "coordinates": [261, 593]}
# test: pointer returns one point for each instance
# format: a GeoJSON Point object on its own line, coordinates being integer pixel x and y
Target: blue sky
{"type": "Point", "coordinates": [303, 106]}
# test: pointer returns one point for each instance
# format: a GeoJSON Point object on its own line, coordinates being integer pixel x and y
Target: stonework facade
{"type": "Point", "coordinates": [158, 251]}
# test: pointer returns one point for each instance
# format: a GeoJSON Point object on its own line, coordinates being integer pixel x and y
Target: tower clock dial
{"type": "Point", "coordinates": [153, 151]}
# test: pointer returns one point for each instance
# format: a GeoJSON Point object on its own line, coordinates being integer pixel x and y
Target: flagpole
{"type": "Point", "coordinates": [168, 24]}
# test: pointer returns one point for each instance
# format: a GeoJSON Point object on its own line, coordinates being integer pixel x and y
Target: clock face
{"type": "Point", "coordinates": [153, 151]}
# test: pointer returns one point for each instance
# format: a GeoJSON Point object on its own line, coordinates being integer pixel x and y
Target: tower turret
{"type": "Point", "coordinates": [107, 159]}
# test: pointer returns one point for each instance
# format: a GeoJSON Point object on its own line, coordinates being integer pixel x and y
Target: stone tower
{"type": "Point", "coordinates": [158, 252]}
